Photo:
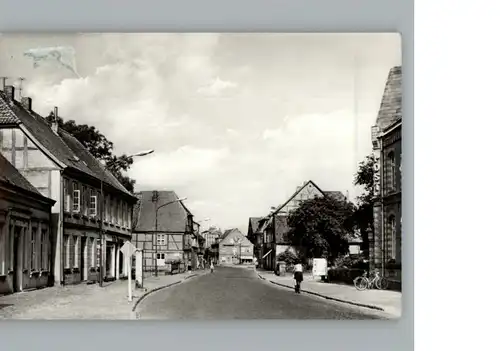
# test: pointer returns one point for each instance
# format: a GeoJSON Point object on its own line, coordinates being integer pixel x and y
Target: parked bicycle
{"type": "Point", "coordinates": [364, 282]}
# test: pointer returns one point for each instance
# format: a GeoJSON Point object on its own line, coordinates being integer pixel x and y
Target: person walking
{"type": "Point", "coordinates": [298, 276]}
{"type": "Point", "coordinates": [211, 266]}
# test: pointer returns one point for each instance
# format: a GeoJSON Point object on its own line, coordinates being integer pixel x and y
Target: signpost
{"type": "Point", "coordinates": [319, 267]}
{"type": "Point", "coordinates": [128, 250]}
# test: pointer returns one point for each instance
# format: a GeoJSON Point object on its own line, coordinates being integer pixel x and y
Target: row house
{"type": "Point", "coordinates": [385, 241]}
{"type": "Point", "coordinates": [24, 233]}
{"type": "Point", "coordinates": [164, 229]}
{"type": "Point", "coordinates": [269, 233]}
{"type": "Point", "coordinates": [62, 169]}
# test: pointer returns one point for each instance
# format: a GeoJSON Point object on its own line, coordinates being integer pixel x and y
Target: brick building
{"type": "Point", "coordinates": [25, 261]}
{"type": "Point", "coordinates": [173, 241]}
{"type": "Point", "coordinates": [385, 242]}
{"type": "Point", "coordinates": [61, 168]}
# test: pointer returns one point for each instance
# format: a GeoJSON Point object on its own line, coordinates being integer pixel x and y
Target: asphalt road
{"type": "Point", "coordinates": [237, 293]}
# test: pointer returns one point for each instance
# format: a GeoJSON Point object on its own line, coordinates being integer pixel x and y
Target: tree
{"type": "Point", "coordinates": [100, 147]}
{"type": "Point", "coordinates": [363, 216]}
{"type": "Point", "coordinates": [320, 227]}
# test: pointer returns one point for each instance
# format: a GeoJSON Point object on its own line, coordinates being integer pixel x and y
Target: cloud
{"type": "Point", "coordinates": [217, 87]}
{"type": "Point", "coordinates": [236, 121]}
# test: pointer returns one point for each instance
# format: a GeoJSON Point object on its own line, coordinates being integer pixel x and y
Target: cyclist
{"type": "Point", "coordinates": [298, 275]}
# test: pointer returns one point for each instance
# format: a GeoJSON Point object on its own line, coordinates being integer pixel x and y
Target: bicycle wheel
{"type": "Point", "coordinates": [381, 283]}
{"type": "Point", "coordinates": [361, 283]}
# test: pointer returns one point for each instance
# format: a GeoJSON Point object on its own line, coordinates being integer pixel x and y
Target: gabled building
{"type": "Point", "coordinates": [235, 248]}
{"type": "Point", "coordinates": [165, 238]}
{"type": "Point", "coordinates": [274, 228]}
{"type": "Point", "coordinates": [254, 236]}
{"type": "Point", "coordinates": [61, 168]}
{"type": "Point", "coordinates": [25, 240]}
{"type": "Point", "coordinates": [385, 242]}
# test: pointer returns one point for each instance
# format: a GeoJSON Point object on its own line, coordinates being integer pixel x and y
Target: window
{"type": "Point", "coordinates": [67, 251]}
{"type": "Point", "coordinates": [93, 205]}
{"type": "Point", "coordinates": [92, 252]}
{"type": "Point", "coordinates": [391, 238]}
{"type": "Point", "coordinates": [391, 176]}
{"type": "Point", "coordinates": [33, 248]}
{"type": "Point", "coordinates": [67, 196]}
{"type": "Point", "coordinates": [3, 256]}
{"type": "Point", "coordinates": [76, 261]}
{"type": "Point", "coordinates": [85, 205]}
{"type": "Point", "coordinates": [44, 250]}
{"type": "Point", "coordinates": [161, 239]}
{"type": "Point", "coordinates": [160, 256]}
{"type": "Point", "coordinates": [76, 198]}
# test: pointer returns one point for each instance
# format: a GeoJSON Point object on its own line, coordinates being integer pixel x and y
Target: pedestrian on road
{"type": "Point", "coordinates": [298, 276]}
{"type": "Point", "coordinates": [211, 266]}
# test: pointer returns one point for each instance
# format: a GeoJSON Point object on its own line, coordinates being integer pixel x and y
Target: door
{"type": "Point", "coordinates": [17, 283]}
{"type": "Point", "coordinates": [83, 258]}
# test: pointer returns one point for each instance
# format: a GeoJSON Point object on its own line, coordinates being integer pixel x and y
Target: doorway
{"type": "Point", "coordinates": [83, 259]}
{"type": "Point", "coordinates": [17, 278]}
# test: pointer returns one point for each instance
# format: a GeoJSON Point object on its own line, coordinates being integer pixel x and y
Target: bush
{"type": "Point", "coordinates": [344, 275]}
{"type": "Point", "coordinates": [288, 257]}
{"type": "Point", "coordinates": [353, 262]}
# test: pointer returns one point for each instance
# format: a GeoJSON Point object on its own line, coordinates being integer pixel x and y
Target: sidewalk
{"type": "Point", "coordinates": [382, 300]}
{"type": "Point", "coordinates": [84, 301]}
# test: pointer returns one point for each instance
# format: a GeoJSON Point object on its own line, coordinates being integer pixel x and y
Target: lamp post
{"type": "Point", "coordinates": [156, 229]}
{"type": "Point", "coordinates": [101, 215]}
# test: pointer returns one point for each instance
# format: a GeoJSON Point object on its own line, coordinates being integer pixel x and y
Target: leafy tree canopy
{"type": "Point", "coordinates": [363, 216]}
{"type": "Point", "coordinates": [321, 227]}
{"type": "Point", "coordinates": [100, 147]}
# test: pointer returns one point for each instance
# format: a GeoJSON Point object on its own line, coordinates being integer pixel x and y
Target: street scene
{"type": "Point", "coordinates": [200, 176]}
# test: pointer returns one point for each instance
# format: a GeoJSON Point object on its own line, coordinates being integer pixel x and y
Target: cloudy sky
{"type": "Point", "coordinates": [237, 121]}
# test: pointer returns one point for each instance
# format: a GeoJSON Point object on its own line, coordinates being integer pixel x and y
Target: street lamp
{"type": "Point", "coordinates": [156, 229]}
{"type": "Point", "coordinates": [101, 214]}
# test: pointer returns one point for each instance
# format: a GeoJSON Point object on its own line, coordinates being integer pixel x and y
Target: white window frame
{"type": "Point", "coordinates": [76, 201]}
{"type": "Point", "coordinates": [67, 251]}
{"type": "Point", "coordinates": [76, 253]}
{"type": "Point", "coordinates": [3, 251]}
{"type": "Point", "coordinates": [393, 237]}
{"type": "Point", "coordinates": [160, 240]}
{"type": "Point", "coordinates": [93, 243]}
{"type": "Point", "coordinates": [33, 253]}
{"type": "Point", "coordinates": [93, 206]}
{"type": "Point", "coordinates": [44, 245]}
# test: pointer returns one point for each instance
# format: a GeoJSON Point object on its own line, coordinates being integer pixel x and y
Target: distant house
{"type": "Point", "coordinates": [274, 228]}
{"type": "Point", "coordinates": [25, 241]}
{"type": "Point", "coordinates": [235, 248]}
{"type": "Point", "coordinates": [61, 168]}
{"type": "Point", "coordinates": [172, 242]}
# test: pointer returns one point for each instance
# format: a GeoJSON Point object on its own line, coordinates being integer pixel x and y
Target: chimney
{"type": "Point", "coordinates": [26, 102]}
{"type": "Point", "coordinates": [54, 125]}
{"type": "Point", "coordinates": [9, 91]}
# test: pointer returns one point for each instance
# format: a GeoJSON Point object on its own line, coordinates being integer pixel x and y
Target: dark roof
{"type": "Point", "coordinates": [226, 233]}
{"type": "Point", "coordinates": [281, 228]}
{"type": "Point", "coordinates": [171, 218]}
{"type": "Point", "coordinates": [390, 106]}
{"type": "Point", "coordinates": [68, 151]}
{"type": "Point", "coordinates": [10, 175]}
{"type": "Point", "coordinates": [253, 224]}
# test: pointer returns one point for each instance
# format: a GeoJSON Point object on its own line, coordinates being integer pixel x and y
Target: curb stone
{"type": "Point", "coordinates": [134, 314]}
{"type": "Point", "coordinates": [373, 307]}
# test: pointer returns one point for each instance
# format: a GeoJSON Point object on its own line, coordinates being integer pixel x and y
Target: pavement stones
{"type": "Point", "coordinates": [84, 301]}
